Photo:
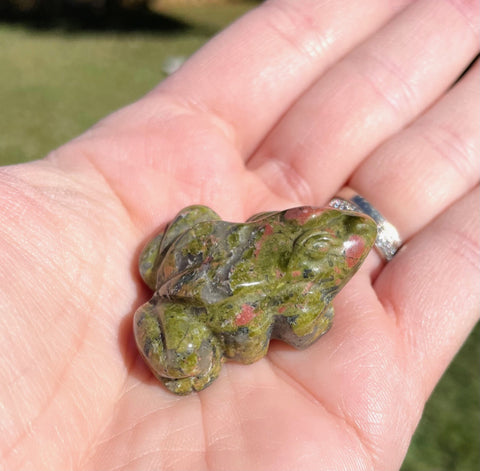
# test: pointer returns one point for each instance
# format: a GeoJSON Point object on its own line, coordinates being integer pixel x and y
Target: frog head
{"type": "Point", "coordinates": [329, 247]}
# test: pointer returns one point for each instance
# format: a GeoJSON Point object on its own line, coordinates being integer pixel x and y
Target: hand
{"type": "Point", "coordinates": [284, 108]}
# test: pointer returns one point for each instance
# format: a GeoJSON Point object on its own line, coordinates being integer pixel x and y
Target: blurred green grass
{"type": "Point", "coordinates": [56, 80]}
{"type": "Point", "coordinates": [448, 436]}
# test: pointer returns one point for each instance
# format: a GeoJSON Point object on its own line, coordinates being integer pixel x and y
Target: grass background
{"type": "Point", "coordinates": [59, 77]}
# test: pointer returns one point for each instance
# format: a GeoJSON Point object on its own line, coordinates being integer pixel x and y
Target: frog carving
{"type": "Point", "coordinates": [222, 290]}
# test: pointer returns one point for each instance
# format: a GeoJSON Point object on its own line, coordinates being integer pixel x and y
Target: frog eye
{"type": "Point", "coordinates": [314, 244]}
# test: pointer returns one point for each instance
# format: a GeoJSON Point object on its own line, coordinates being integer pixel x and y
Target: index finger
{"type": "Point", "coordinates": [263, 62]}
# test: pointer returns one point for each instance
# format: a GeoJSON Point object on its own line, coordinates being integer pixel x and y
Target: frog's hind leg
{"type": "Point", "coordinates": [149, 261]}
{"type": "Point", "coordinates": [289, 330]}
{"type": "Point", "coordinates": [185, 220]}
{"type": "Point", "coordinates": [153, 253]}
{"type": "Point", "coordinates": [179, 349]}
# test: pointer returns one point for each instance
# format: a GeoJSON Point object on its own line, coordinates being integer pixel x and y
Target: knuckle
{"type": "Point", "coordinates": [297, 25]}
{"type": "Point", "coordinates": [454, 150]}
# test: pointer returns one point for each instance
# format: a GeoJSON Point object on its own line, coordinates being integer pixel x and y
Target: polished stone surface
{"type": "Point", "coordinates": [222, 290]}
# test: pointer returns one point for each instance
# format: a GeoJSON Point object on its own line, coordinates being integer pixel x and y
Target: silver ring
{"type": "Point", "coordinates": [388, 240]}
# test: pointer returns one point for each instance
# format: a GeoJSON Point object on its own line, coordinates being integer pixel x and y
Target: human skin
{"type": "Point", "coordinates": [282, 109]}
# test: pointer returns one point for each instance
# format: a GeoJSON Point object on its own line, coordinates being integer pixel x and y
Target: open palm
{"type": "Point", "coordinates": [287, 106]}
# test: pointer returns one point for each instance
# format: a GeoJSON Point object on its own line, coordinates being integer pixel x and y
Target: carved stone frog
{"type": "Point", "coordinates": [222, 290]}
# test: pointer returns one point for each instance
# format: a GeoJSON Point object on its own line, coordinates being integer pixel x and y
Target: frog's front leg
{"type": "Point", "coordinates": [153, 253]}
{"type": "Point", "coordinates": [303, 329]}
{"type": "Point", "coordinates": [180, 350]}
{"type": "Point", "coordinates": [244, 325]}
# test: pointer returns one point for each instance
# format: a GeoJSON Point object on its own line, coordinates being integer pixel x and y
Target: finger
{"type": "Point", "coordinates": [432, 289]}
{"type": "Point", "coordinates": [251, 73]}
{"type": "Point", "coordinates": [373, 92]}
{"type": "Point", "coordinates": [374, 370]}
{"type": "Point", "coordinates": [180, 144]}
{"type": "Point", "coordinates": [428, 165]}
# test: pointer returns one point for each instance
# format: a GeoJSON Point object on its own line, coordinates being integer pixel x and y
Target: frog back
{"type": "Point", "coordinates": [214, 260]}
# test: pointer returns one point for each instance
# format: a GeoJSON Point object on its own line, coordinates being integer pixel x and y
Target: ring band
{"type": "Point", "coordinates": [388, 240]}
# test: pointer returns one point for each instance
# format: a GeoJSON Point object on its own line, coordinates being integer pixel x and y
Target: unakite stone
{"type": "Point", "coordinates": [222, 290]}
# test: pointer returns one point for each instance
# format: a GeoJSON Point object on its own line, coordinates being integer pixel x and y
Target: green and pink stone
{"type": "Point", "coordinates": [222, 290]}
